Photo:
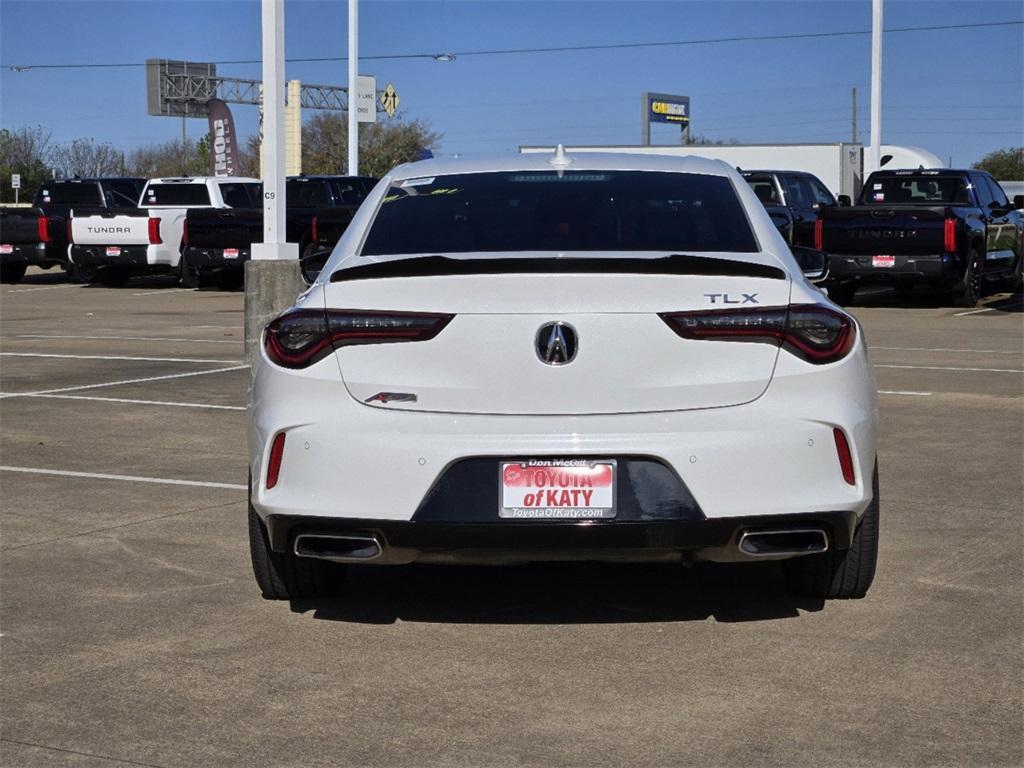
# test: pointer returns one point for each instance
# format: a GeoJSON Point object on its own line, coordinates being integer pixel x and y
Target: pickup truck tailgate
{"type": "Point", "coordinates": [224, 227]}
{"type": "Point", "coordinates": [111, 229]}
{"type": "Point", "coordinates": [904, 230]}
{"type": "Point", "coordinates": [19, 226]}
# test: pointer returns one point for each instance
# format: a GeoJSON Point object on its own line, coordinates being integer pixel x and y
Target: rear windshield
{"type": "Point", "coordinates": [123, 193]}
{"type": "Point", "coordinates": [241, 194]}
{"type": "Point", "coordinates": [911, 190]}
{"type": "Point", "coordinates": [71, 193]}
{"type": "Point", "coordinates": [181, 195]}
{"type": "Point", "coordinates": [764, 187]}
{"type": "Point", "coordinates": [561, 211]}
{"type": "Point", "coordinates": [348, 192]}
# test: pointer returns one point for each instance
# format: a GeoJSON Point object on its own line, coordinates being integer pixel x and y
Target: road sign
{"type": "Point", "coordinates": [389, 100]}
{"type": "Point", "coordinates": [15, 181]}
{"type": "Point", "coordinates": [366, 98]}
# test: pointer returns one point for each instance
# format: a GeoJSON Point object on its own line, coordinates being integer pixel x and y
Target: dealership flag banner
{"type": "Point", "coordinates": [223, 145]}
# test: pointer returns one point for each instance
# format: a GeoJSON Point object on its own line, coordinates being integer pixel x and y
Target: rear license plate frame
{"type": "Point", "coordinates": [564, 469]}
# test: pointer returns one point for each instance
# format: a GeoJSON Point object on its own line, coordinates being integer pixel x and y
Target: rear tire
{"type": "Point", "coordinates": [83, 274]}
{"type": "Point", "coordinates": [285, 576]}
{"type": "Point", "coordinates": [12, 273]}
{"type": "Point", "coordinates": [113, 277]}
{"type": "Point", "coordinates": [840, 574]}
{"type": "Point", "coordinates": [191, 277]}
{"type": "Point", "coordinates": [967, 293]}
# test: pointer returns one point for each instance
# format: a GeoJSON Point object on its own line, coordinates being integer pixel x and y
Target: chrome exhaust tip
{"type": "Point", "coordinates": [790, 542]}
{"type": "Point", "coordinates": [339, 548]}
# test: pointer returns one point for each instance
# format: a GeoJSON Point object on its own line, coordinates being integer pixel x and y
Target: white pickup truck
{"type": "Point", "coordinates": [112, 247]}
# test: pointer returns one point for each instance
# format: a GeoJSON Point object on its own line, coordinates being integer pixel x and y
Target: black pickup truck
{"type": "Point", "coordinates": [948, 227]}
{"type": "Point", "coordinates": [792, 199]}
{"type": "Point", "coordinates": [318, 209]}
{"type": "Point", "coordinates": [38, 235]}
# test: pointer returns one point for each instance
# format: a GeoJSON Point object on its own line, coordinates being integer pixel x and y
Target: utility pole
{"type": "Point", "coordinates": [853, 117]}
{"type": "Point", "coordinates": [875, 150]}
{"type": "Point", "coordinates": [353, 74]}
{"type": "Point", "coordinates": [272, 277]}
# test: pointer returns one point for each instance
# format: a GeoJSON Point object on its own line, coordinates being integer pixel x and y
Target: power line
{"type": "Point", "coordinates": [447, 56]}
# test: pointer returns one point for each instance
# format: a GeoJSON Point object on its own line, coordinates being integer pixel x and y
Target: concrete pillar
{"type": "Point", "coordinates": [270, 288]}
{"type": "Point", "coordinates": [293, 129]}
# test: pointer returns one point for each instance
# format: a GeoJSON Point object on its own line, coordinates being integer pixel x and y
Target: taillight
{"type": "Point", "coordinates": [817, 334]}
{"type": "Point", "coordinates": [43, 225]}
{"type": "Point", "coordinates": [819, 235]}
{"type": "Point", "coordinates": [71, 235]}
{"type": "Point", "coordinates": [949, 236]}
{"type": "Point", "coordinates": [154, 232]}
{"type": "Point", "coordinates": [845, 457]}
{"type": "Point", "coordinates": [274, 464]}
{"type": "Point", "coordinates": [184, 232]}
{"type": "Point", "coordinates": [314, 234]}
{"type": "Point", "coordinates": [301, 337]}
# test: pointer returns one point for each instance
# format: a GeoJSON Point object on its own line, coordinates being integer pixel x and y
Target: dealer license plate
{"type": "Point", "coordinates": [112, 251]}
{"type": "Point", "coordinates": [560, 489]}
{"type": "Point", "coordinates": [4, 248]}
{"type": "Point", "coordinates": [883, 261]}
{"type": "Point", "coordinates": [230, 253]}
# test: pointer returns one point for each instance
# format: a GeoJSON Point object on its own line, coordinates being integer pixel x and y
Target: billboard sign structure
{"type": "Point", "coordinates": [663, 108]}
{"type": "Point", "coordinates": [179, 88]}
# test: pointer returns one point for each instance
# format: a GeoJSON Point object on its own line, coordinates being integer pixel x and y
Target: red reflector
{"type": "Point", "coordinates": [154, 232]}
{"type": "Point", "coordinates": [845, 459]}
{"type": "Point", "coordinates": [274, 465]}
{"type": "Point", "coordinates": [819, 235]}
{"type": "Point", "coordinates": [949, 235]}
{"type": "Point", "coordinates": [44, 229]}
{"type": "Point", "coordinates": [314, 234]}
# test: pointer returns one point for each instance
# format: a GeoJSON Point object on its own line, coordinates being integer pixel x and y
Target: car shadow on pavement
{"type": "Point", "coordinates": [560, 593]}
{"type": "Point", "coordinates": [927, 297]}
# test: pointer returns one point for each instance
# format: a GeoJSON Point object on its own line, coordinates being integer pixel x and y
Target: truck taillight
{"type": "Point", "coordinates": [314, 233]}
{"type": "Point", "coordinates": [301, 337]}
{"type": "Point", "coordinates": [819, 235]}
{"type": "Point", "coordinates": [949, 235]}
{"type": "Point", "coordinates": [154, 232]}
{"type": "Point", "coordinates": [184, 231]}
{"type": "Point", "coordinates": [71, 233]}
{"type": "Point", "coordinates": [43, 224]}
{"type": "Point", "coordinates": [812, 332]}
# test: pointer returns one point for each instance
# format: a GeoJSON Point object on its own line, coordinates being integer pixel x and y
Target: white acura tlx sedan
{"type": "Point", "coordinates": [563, 357]}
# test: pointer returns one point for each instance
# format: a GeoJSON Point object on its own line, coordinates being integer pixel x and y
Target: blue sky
{"type": "Point", "coordinates": [957, 93]}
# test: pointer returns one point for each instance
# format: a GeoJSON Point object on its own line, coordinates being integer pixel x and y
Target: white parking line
{"type": "Point", "coordinates": [118, 357]}
{"type": "Point", "coordinates": [126, 338]}
{"type": "Point", "coordinates": [142, 402]}
{"type": "Point", "coordinates": [1012, 305]}
{"type": "Point", "coordinates": [947, 349]}
{"type": "Point", "coordinates": [948, 368]}
{"type": "Point", "coordinates": [163, 292]}
{"type": "Point", "coordinates": [902, 392]}
{"type": "Point", "coordinates": [124, 478]}
{"type": "Point", "coordinates": [123, 381]}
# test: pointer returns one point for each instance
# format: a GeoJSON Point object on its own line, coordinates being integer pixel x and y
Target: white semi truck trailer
{"type": "Point", "coordinates": [842, 167]}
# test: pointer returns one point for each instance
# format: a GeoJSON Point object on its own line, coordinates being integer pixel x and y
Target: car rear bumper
{"type": "Point", "coordinates": [214, 258]}
{"type": "Point", "coordinates": [36, 254]}
{"type": "Point", "coordinates": [508, 542]}
{"type": "Point", "coordinates": [96, 256]}
{"type": "Point", "coordinates": [938, 267]}
{"type": "Point", "coordinates": [774, 456]}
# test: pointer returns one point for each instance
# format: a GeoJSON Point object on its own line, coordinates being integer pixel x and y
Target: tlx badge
{"type": "Point", "coordinates": [725, 298]}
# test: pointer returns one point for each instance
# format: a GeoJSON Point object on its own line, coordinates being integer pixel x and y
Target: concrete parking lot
{"type": "Point", "coordinates": [133, 633]}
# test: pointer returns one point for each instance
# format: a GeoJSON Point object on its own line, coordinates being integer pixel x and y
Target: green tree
{"type": "Point", "coordinates": [1004, 164]}
{"type": "Point", "coordinates": [382, 145]}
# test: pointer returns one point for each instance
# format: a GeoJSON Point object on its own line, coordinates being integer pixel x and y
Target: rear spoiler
{"type": "Point", "coordinates": [676, 264]}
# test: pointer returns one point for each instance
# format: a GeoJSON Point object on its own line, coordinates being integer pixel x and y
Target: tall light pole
{"type": "Point", "coordinates": [875, 150]}
{"type": "Point", "coordinates": [353, 74]}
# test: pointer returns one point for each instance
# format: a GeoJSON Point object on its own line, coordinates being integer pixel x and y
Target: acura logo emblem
{"type": "Point", "coordinates": [556, 343]}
